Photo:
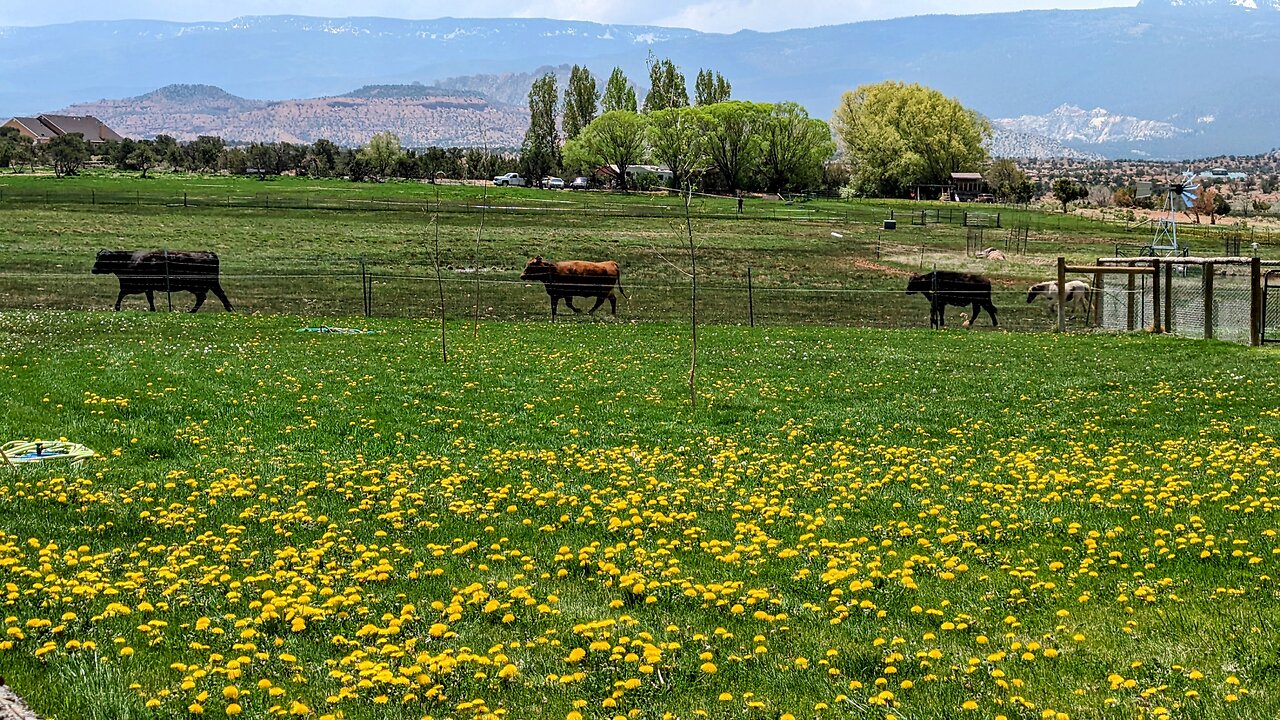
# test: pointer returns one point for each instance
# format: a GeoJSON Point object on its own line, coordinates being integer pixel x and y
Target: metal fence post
{"type": "Point", "coordinates": [1168, 297]}
{"type": "Point", "coordinates": [1156, 325]}
{"type": "Point", "coordinates": [751, 302]}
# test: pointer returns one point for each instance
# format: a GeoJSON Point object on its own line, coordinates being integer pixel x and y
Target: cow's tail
{"type": "Point", "coordinates": [624, 292]}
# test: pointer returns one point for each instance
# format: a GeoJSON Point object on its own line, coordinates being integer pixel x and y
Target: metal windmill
{"type": "Point", "coordinates": [1179, 194]}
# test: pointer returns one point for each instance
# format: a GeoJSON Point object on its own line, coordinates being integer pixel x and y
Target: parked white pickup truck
{"type": "Point", "coordinates": [512, 179]}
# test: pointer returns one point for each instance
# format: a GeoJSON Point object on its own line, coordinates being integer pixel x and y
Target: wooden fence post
{"type": "Point", "coordinates": [1062, 294]}
{"type": "Point", "coordinates": [1255, 302]}
{"type": "Point", "coordinates": [1098, 280]}
{"type": "Point", "coordinates": [1208, 301]}
{"type": "Point", "coordinates": [1133, 299]}
{"type": "Point", "coordinates": [1156, 325]}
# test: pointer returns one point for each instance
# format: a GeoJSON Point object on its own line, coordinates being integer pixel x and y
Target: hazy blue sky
{"type": "Point", "coordinates": [708, 15]}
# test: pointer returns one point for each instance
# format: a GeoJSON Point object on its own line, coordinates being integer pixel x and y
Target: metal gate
{"type": "Point", "coordinates": [1271, 307]}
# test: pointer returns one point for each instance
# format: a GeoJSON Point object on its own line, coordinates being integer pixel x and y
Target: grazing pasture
{"type": "Point", "coordinates": [851, 523]}
{"type": "Point", "coordinates": [296, 245]}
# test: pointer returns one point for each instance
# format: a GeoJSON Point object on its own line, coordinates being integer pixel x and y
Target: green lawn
{"type": "Point", "coordinates": [850, 523]}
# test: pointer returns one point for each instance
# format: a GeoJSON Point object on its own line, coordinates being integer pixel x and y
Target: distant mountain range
{"type": "Point", "coordinates": [1203, 67]}
{"type": "Point", "coordinates": [420, 115]}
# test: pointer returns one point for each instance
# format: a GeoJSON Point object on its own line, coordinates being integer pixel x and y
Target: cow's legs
{"type": "Point", "coordinates": [119, 299]}
{"type": "Point", "coordinates": [613, 305]}
{"type": "Point", "coordinates": [977, 308]}
{"type": "Point", "coordinates": [568, 301]}
{"type": "Point", "coordinates": [991, 310]}
{"type": "Point", "coordinates": [200, 296]}
{"type": "Point", "coordinates": [151, 299]}
{"type": "Point", "coordinates": [599, 302]}
{"type": "Point", "coordinates": [217, 292]}
{"type": "Point", "coordinates": [555, 302]}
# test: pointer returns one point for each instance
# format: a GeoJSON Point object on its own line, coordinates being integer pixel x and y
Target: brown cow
{"type": "Point", "coordinates": [577, 278]}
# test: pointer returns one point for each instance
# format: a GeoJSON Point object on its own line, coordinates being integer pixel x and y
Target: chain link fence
{"type": "Point", "coordinates": [1196, 297]}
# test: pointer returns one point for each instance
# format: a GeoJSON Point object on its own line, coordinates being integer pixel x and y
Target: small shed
{"type": "Point", "coordinates": [966, 186]}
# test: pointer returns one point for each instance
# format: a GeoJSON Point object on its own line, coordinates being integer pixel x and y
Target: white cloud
{"type": "Point", "coordinates": [706, 15]}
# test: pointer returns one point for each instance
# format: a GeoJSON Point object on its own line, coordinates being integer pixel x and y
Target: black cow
{"type": "Point", "coordinates": [579, 278]}
{"type": "Point", "coordinates": [944, 287]}
{"type": "Point", "coordinates": [149, 271]}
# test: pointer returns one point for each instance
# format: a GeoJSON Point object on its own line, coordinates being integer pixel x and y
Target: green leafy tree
{"type": "Point", "coordinates": [15, 150]}
{"type": "Point", "coordinates": [614, 141]}
{"type": "Point", "coordinates": [166, 150]}
{"type": "Point", "coordinates": [618, 93]}
{"type": "Point", "coordinates": [204, 152]}
{"type": "Point", "coordinates": [264, 158]}
{"type": "Point", "coordinates": [1067, 191]}
{"type": "Point", "coordinates": [67, 153]}
{"type": "Point", "coordinates": [896, 136]}
{"type": "Point", "coordinates": [540, 151]}
{"type": "Point", "coordinates": [322, 158]}
{"type": "Point", "coordinates": [581, 101]}
{"type": "Point", "coordinates": [794, 148]}
{"type": "Point", "coordinates": [677, 139]}
{"type": "Point", "coordinates": [666, 86]}
{"type": "Point", "coordinates": [711, 88]}
{"type": "Point", "coordinates": [143, 157]}
{"type": "Point", "coordinates": [382, 153]}
{"type": "Point", "coordinates": [735, 140]}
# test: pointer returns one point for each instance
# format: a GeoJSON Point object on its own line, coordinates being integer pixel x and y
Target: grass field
{"type": "Point", "coordinates": [817, 262]}
{"type": "Point", "coordinates": [851, 523]}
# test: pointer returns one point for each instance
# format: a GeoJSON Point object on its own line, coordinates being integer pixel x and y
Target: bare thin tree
{"type": "Point", "coordinates": [435, 222]}
{"type": "Point", "coordinates": [484, 208]}
{"type": "Point", "coordinates": [693, 299]}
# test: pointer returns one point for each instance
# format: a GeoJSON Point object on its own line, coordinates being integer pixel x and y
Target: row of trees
{"type": "Point", "coordinates": [729, 145]}
{"type": "Point", "coordinates": [382, 158]}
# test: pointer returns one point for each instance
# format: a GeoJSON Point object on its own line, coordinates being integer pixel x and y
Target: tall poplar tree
{"type": "Point", "coordinates": [540, 152]}
{"type": "Point", "coordinates": [581, 101]}
{"type": "Point", "coordinates": [618, 93]}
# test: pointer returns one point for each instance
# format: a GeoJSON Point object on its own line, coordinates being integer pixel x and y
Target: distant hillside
{"type": "Point", "coordinates": [1206, 66]}
{"type": "Point", "coordinates": [421, 115]}
{"type": "Point", "coordinates": [511, 88]}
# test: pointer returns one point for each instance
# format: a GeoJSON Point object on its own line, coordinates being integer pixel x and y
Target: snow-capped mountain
{"type": "Point", "coordinates": [1070, 124]}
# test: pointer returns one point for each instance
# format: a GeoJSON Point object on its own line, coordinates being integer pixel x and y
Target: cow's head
{"type": "Point", "coordinates": [110, 261]}
{"type": "Point", "coordinates": [919, 284]}
{"type": "Point", "coordinates": [537, 269]}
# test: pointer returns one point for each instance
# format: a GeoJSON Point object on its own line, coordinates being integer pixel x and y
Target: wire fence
{"type": "Point", "coordinates": [416, 198]}
{"type": "Point", "coordinates": [388, 287]}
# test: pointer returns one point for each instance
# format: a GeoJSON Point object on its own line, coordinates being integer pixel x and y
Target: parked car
{"type": "Point", "coordinates": [985, 198]}
{"type": "Point", "coordinates": [553, 183]}
{"type": "Point", "coordinates": [511, 179]}
{"type": "Point", "coordinates": [580, 183]}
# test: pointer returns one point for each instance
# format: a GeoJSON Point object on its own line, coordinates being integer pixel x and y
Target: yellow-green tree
{"type": "Point", "coordinates": [897, 136]}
